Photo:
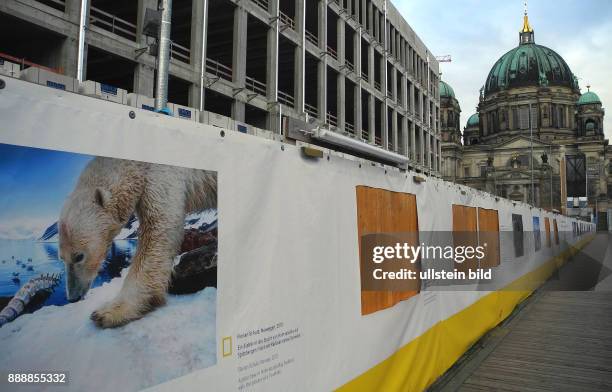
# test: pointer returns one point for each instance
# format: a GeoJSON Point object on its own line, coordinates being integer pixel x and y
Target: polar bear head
{"type": "Point", "coordinates": [88, 223]}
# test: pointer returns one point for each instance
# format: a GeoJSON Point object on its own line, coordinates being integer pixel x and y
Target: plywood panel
{"type": "Point", "coordinates": [547, 227]}
{"type": "Point", "coordinates": [383, 211]}
{"type": "Point", "coordinates": [488, 227]}
{"type": "Point", "coordinates": [465, 226]}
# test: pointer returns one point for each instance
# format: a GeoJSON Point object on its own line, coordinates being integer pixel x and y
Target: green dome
{"type": "Point", "coordinates": [529, 65]}
{"type": "Point", "coordinates": [446, 91]}
{"type": "Point", "coordinates": [589, 98]}
{"type": "Point", "coordinates": [474, 120]}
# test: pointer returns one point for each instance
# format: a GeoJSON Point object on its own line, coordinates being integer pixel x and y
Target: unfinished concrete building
{"type": "Point", "coordinates": [354, 66]}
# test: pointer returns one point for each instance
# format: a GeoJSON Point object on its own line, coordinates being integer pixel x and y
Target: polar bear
{"type": "Point", "coordinates": [107, 193]}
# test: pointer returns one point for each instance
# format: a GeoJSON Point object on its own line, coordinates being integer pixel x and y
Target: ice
{"type": "Point", "coordinates": [169, 342]}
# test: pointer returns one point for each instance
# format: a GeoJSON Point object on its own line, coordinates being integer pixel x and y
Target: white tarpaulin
{"type": "Point", "coordinates": [288, 312]}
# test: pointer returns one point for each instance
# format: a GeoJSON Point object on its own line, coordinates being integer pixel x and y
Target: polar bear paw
{"type": "Point", "coordinates": [119, 312]}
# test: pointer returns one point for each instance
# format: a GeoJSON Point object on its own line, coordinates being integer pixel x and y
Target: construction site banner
{"type": "Point", "coordinates": [143, 251]}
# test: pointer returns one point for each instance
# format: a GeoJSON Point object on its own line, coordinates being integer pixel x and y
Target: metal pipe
{"type": "Point", "coordinates": [276, 61]}
{"type": "Point", "coordinates": [531, 161]}
{"type": "Point", "coordinates": [385, 88]}
{"type": "Point", "coordinates": [303, 97]}
{"type": "Point", "coordinates": [81, 51]}
{"type": "Point", "coordinates": [203, 58]}
{"type": "Point", "coordinates": [161, 85]}
{"type": "Point", "coordinates": [277, 54]}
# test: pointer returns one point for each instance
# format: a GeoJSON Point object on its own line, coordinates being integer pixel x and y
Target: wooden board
{"type": "Point", "coordinates": [488, 228]}
{"type": "Point", "coordinates": [560, 343]}
{"type": "Point", "coordinates": [556, 231]}
{"type": "Point", "coordinates": [465, 233]}
{"type": "Point", "coordinates": [383, 211]}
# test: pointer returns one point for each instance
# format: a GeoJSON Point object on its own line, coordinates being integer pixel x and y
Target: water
{"type": "Point", "coordinates": [30, 259]}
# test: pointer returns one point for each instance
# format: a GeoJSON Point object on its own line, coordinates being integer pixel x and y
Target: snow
{"type": "Point", "coordinates": [130, 230]}
{"type": "Point", "coordinates": [201, 220]}
{"type": "Point", "coordinates": [169, 342]}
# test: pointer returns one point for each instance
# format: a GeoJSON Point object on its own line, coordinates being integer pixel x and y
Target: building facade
{"type": "Point", "coordinates": [535, 137]}
{"type": "Point", "coordinates": [354, 66]}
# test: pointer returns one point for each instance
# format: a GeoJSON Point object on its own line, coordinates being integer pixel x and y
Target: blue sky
{"type": "Point", "coordinates": [477, 32]}
{"type": "Point", "coordinates": [33, 186]}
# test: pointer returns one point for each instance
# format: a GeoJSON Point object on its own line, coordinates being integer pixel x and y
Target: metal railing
{"type": "Point", "coordinates": [23, 63]}
{"type": "Point", "coordinates": [218, 69]}
{"type": "Point", "coordinates": [331, 119]}
{"type": "Point", "coordinates": [365, 77]}
{"type": "Point", "coordinates": [313, 111]}
{"type": "Point", "coordinates": [180, 52]}
{"type": "Point", "coordinates": [262, 3]}
{"type": "Point", "coordinates": [350, 128]}
{"type": "Point", "coordinates": [110, 22]}
{"type": "Point", "coordinates": [286, 99]}
{"type": "Point", "coordinates": [378, 141]}
{"type": "Point", "coordinates": [311, 38]}
{"type": "Point", "coordinates": [349, 65]}
{"type": "Point", "coordinates": [256, 86]}
{"type": "Point", "coordinates": [377, 85]}
{"type": "Point", "coordinates": [365, 135]}
{"type": "Point", "coordinates": [286, 20]}
{"type": "Point", "coordinates": [332, 52]}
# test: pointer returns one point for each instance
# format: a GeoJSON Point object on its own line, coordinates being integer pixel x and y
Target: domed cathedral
{"type": "Point", "coordinates": [535, 137]}
{"type": "Point", "coordinates": [450, 129]}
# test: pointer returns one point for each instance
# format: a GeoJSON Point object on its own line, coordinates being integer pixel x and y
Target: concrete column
{"type": "Point", "coordinates": [404, 92]}
{"type": "Point", "coordinates": [394, 131]}
{"type": "Point", "coordinates": [433, 153]}
{"type": "Point", "coordinates": [372, 118]}
{"type": "Point", "coordinates": [411, 93]}
{"type": "Point", "coordinates": [67, 57]}
{"type": "Point", "coordinates": [357, 90]}
{"type": "Point", "coordinates": [371, 72]}
{"type": "Point", "coordinates": [199, 24]}
{"type": "Point", "coordinates": [238, 63]}
{"type": "Point", "coordinates": [341, 83]}
{"type": "Point", "coordinates": [394, 90]}
{"type": "Point", "coordinates": [298, 80]}
{"type": "Point", "coordinates": [439, 155]}
{"type": "Point", "coordinates": [144, 75]}
{"type": "Point", "coordinates": [357, 110]}
{"type": "Point", "coordinates": [383, 86]}
{"type": "Point", "coordinates": [383, 126]}
{"type": "Point", "coordinates": [413, 144]}
{"type": "Point", "coordinates": [422, 136]}
{"type": "Point", "coordinates": [144, 81]}
{"type": "Point", "coordinates": [322, 65]}
{"type": "Point", "coordinates": [405, 143]}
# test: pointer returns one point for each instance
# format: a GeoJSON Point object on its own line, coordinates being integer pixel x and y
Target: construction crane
{"type": "Point", "coordinates": [444, 59]}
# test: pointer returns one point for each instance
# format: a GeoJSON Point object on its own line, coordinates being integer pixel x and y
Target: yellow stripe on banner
{"type": "Point", "coordinates": [419, 363]}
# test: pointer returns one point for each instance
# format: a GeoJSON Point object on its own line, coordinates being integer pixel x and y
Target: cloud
{"type": "Point", "coordinates": [590, 58]}
{"type": "Point", "coordinates": [477, 32]}
{"type": "Point", "coordinates": [24, 228]}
